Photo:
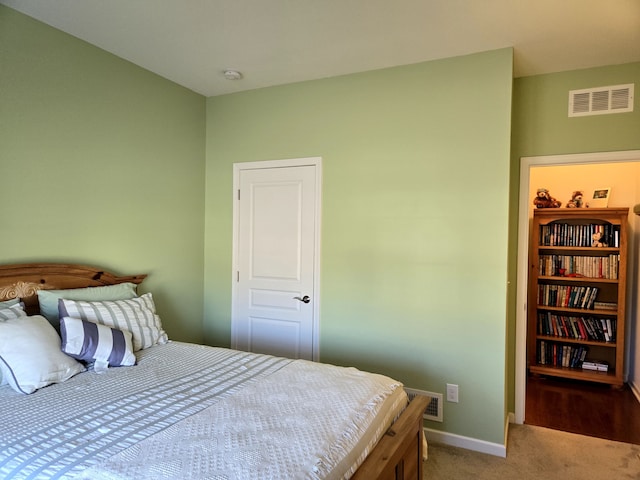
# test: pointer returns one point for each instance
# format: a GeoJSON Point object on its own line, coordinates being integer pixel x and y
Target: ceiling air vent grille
{"type": "Point", "coordinates": [597, 101]}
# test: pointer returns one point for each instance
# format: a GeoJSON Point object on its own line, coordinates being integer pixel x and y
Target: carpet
{"type": "Point", "coordinates": [538, 453]}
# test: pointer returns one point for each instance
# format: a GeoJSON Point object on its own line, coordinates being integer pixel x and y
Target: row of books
{"type": "Point", "coordinates": [577, 265]}
{"type": "Point", "coordinates": [570, 296]}
{"type": "Point", "coordinates": [559, 355]}
{"type": "Point", "coordinates": [568, 235]}
{"type": "Point", "coordinates": [605, 306]}
{"type": "Point", "coordinates": [577, 328]}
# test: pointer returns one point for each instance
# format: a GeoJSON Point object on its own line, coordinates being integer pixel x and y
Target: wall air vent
{"type": "Point", "coordinates": [601, 100]}
{"type": "Point", "coordinates": [434, 409]}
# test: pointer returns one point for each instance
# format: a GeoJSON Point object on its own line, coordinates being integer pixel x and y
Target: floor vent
{"type": "Point", "coordinates": [601, 100]}
{"type": "Point", "coordinates": [434, 409]}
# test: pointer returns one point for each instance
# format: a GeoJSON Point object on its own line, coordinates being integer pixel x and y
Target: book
{"type": "Point", "coordinates": [587, 294]}
{"type": "Point", "coordinates": [592, 298]}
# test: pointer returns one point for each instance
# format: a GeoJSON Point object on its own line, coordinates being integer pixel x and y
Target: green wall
{"type": "Point", "coordinates": [414, 219]}
{"type": "Point", "coordinates": [101, 163]}
{"type": "Point", "coordinates": [541, 126]}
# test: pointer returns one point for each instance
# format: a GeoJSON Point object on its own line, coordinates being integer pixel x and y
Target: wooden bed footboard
{"type": "Point", "coordinates": [399, 454]}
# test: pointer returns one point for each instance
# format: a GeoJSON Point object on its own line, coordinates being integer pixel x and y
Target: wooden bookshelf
{"type": "Point", "coordinates": [576, 293]}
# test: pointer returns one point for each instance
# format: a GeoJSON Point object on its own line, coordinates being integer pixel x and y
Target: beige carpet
{"type": "Point", "coordinates": [538, 453]}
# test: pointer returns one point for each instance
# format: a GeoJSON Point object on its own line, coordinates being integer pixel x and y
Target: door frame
{"type": "Point", "coordinates": [523, 252]}
{"type": "Point", "coordinates": [270, 164]}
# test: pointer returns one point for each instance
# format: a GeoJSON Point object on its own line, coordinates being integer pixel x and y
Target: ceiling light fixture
{"type": "Point", "coordinates": [232, 74]}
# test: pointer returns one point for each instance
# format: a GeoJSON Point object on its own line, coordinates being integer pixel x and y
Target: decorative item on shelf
{"type": "Point", "coordinates": [543, 199]}
{"type": "Point", "coordinates": [600, 198]}
{"type": "Point", "coordinates": [596, 365]}
{"type": "Point", "coordinates": [576, 200]}
{"type": "Point", "coordinates": [597, 240]}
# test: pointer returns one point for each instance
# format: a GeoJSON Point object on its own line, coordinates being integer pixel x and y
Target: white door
{"type": "Point", "coordinates": [276, 257]}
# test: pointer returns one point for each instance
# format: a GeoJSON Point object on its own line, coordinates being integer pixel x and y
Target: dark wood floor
{"type": "Point", "coordinates": [586, 408]}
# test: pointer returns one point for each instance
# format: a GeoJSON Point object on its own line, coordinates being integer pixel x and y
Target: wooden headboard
{"type": "Point", "coordinates": [24, 280]}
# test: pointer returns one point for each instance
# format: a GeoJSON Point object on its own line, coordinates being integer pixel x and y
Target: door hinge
{"type": "Point", "coordinates": [238, 194]}
{"type": "Point", "coordinates": [238, 276]}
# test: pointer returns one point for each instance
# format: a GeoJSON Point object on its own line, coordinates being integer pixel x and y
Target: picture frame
{"type": "Point", "coordinates": [600, 198]}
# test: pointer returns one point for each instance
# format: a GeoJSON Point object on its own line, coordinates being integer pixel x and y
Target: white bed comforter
{"type": "Point", "coordinates": [193, 412]}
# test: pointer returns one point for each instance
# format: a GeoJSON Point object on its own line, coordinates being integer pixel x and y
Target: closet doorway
{"type": "Point", "coordinates": [573, 163]}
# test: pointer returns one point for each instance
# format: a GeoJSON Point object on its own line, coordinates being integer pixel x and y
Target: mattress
{"type": "Point", "coordinates": [190, 411]}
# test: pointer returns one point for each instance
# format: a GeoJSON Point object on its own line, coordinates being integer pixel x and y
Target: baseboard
{"type": "Point", "coordinates": [635, 389]}
{"type": "Point", "coordinates": [468, 443]}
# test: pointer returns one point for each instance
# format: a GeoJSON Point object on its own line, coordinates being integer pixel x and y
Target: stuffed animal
{"type": "Point", "coordinates": [544, 200]}
{"type": "Point", "coordinates": [597, 240]}
{"type": "Point", "coordinates": [576, 200]}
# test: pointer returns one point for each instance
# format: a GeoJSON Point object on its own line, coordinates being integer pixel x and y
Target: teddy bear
{"type": "Point", "coordinates": [544, 200]}
{"type": "Point", "coordinates": [597, 240]}
{"type": "Point", "coordinates": [576, 200]}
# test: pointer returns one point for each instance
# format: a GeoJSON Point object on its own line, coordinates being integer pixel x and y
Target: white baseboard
{"type": "Point", "coordinates": [469, 443]}
{"type": "Point", "coordinates": [636, 390]}
{"type": "Point", "coordinates": [474, 444]}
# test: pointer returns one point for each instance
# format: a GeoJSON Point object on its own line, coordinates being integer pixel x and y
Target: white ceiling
{"type": "Point", "coordinates": [276, 42]}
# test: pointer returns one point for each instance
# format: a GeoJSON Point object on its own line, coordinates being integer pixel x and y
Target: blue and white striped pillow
{"type": "Point", "coordinates": [9, 303]}
{"type": "Point", "coordinates": [136, 315]}
{"type": "Point", "coordinates": [10, 309]}
{"type": "Point", "coordinates": [90, 342]}
{"type": "Point", "coordinates": [13, 311]}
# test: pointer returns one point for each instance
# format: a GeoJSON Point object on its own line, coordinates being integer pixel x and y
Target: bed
{"type": "Point", "coordinates": [114, 398]}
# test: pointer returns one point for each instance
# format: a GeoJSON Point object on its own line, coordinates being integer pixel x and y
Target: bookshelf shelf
{"type": "Point", "coordinates": [578, 279]}
{"type": "Point", "coordinates": [576, 293]}
{"type": "Point", "coordinates": [580, 311]}
{"type": "Point", "coordinates": [575, 374]}
{"type": "Point", "coordinates": [551, 338]}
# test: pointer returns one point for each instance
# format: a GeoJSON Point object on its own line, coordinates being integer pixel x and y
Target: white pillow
{"type": "Point", "coordinates": [30, 356]}
{"type": "Point", "coordinates": [136, 315]}
{"type": "Point", "coordinates": [102, 345]}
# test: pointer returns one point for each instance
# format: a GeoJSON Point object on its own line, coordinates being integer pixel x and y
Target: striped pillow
{"type": "Point", "coordinates": [91, 342]}
{"type": "Point", "coordinates": [14, 311]}
{"type": "Point", "coordinates": [10, 309]}
{"type": "Point", "coordinates": [136, 315]}
{"type": "Point", "coordinates": [9, 303]}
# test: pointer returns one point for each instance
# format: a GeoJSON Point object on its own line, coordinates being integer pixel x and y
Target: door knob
{"type": "Point", "coordinates": [304, 299]}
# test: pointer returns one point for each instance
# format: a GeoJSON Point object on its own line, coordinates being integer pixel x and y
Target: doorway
{"type": "Point", "coordinates": [526, 164]}
{"type": "Point", "coordinates": [276, 257]}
